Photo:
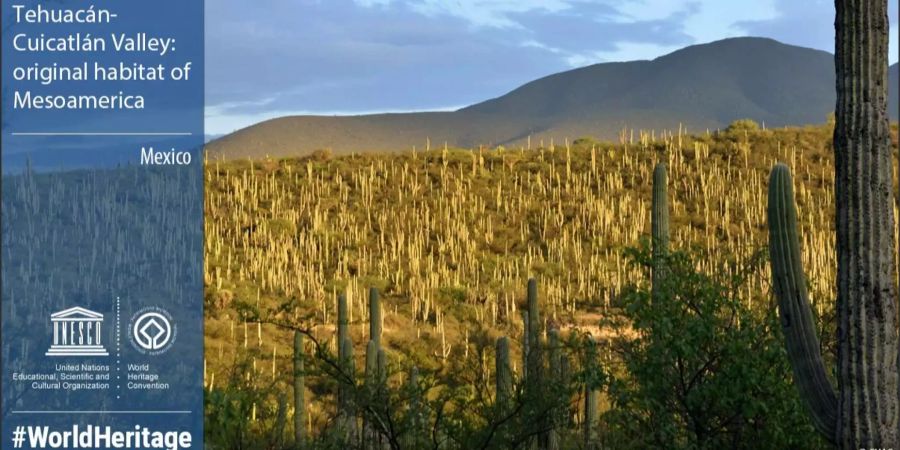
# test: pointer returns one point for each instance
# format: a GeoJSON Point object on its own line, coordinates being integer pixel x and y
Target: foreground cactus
{"type": "Point", "coordinates": [371, 437]}
{"type": "Point", "coordinates": [299, 393]}
{"type": "Point", "coordinates": [534, 352]}
{"type": "Point", "coordinates": [342, 322]}
{"type": "Point", "coordinates": [590, 398]}
{"type": "Point", "coordinates": [347, 416]}
{"type": "Point", "coordinates": [504, 374]}
{"type": "Point", "coordinates": [346, 410]}
{"type": "Point", "coordinates": [375, 317]}
{"type": "Point", "coordinates": [556, 378]}
{"type": "Point", "coordinates": [534, 362]}
{"type": "Point", "coordinates": [415, 435]}
{"type": "Point", "coordinates": [864, 412]}
{"type": "Point", "coordinates": [659, 224]}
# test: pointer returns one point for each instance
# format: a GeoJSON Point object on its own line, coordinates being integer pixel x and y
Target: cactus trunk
{"type": "Point", "coordinates": [342, 323]}
{"type": "Point", "coordinates": [659, 224]}
{"type": "Point", "coordinates": [867, 350]}
{"type": "Point", "coordinates": [299, 393]}
{"type": "Point", "coordinates": [347, 416]}
{"type": "Point", "coordinates": [371, 437]}
{"type": "Point", "coordinates": [504, 375]}
{"type": "Point", "coordinates": [415, 417]}
{"type": "Point", "coordinates": [375, 317]}
{"type": "Point", "coordinates": [590, 399]}
{"type": "Point", "coordinates": [534, 363]}
{"type": "Point", "coordinates": [553, 344]}
{"type": "Point", "coordinates": [864, 412]}
{"type": "Point", "coordinates": [534, 352]}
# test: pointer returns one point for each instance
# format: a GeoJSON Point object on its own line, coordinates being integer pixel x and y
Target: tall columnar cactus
{"type": "Point", "coordinates": [864, 411]}
{"type": "Point", "coordinates": [280, 421]}
{"type": "Point", "coordinates": [525, 344]}
{"type": "Point", "coordinates": [347, 416]}
{"type": "Point", "coordinates": [534, 362]}
{"type": "Point", "coordinates": [590, 397]}
{"type": "Point", "coordinates": [556, 379]}
{"type": "Point", "coordinates": [375, 317]}
{"type": "Point", "coordinates": [371, 386]}
{"type": "Point", "coordinates": [376, 362]}
{"type": "Point", "coordinates": [414, 437]}
{"type": "Point", "coordinates": [343, 323]}
{"type": "Point", "coordinates": [534, 357]}
{"type": "Point", "coordinates": [299, 393]}
{"type": "Point", "coordinates": [659, 223]}
{"type": "Point", "coordinates": [504, 374]}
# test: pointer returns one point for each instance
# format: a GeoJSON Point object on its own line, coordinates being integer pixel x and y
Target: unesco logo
{"type": "Point", "coordinates": [152, 331]}
{"type": "Point", "coordinates": [77, 332]}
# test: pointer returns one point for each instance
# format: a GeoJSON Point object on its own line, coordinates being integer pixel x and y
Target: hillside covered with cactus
{"type": "Point", "coordinates": [446, 241]}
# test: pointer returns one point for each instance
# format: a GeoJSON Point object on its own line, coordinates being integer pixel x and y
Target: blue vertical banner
{"type": "Point", "coordinates": [102, 224]}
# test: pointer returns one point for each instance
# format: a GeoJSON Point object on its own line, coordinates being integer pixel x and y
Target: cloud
{"type": "Point", "coordinates": [808, 23]}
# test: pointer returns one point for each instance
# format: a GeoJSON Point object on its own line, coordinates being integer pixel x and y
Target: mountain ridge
{"type": "Point", "coordinates": [699, 87]}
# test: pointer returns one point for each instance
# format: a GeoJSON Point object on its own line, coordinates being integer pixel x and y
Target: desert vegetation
{"type": "Point", "coordinates": [413, 267]}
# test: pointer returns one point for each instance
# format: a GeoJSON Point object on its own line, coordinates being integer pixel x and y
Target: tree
{"type": "Point", "coordinates": [699, 367]}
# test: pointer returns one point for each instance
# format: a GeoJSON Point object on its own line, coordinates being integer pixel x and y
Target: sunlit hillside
{"type": "Point", "coordinates": [450, 237]}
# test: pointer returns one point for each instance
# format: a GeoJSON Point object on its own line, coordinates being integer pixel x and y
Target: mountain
{"type": "Point", "coordinates": [699, 87]}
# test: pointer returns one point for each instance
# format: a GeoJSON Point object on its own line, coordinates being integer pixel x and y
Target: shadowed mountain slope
{"type": "Point", "coordinates": [700, 87]}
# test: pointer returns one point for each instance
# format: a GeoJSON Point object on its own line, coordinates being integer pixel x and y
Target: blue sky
{"type": "Point", "coordinates": [269, 58]}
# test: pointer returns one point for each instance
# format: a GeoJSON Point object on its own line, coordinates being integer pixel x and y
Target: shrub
{"type": "Point", "coordinates": [743, 125]}
{"type": "Point", "coordinates": [700, 367]}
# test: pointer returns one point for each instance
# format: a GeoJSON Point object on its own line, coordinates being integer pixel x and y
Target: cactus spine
{"type": "Point", "coordinates": [299, 393]}
{"type": "Point", "coordinates": [659, 224]}
{"type": "Point", "coordinates": [864, 411]}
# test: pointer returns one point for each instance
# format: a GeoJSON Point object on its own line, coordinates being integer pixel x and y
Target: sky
{"type": "Point", "coordinates": [271, 58]}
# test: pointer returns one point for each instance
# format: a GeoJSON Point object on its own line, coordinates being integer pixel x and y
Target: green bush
{"type": "Point", "coordinates": [699, 366]}
{"type": "Point", "coordinates": [741, 125]}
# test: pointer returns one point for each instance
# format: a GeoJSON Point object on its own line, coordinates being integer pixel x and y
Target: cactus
{"type": "Point", "coordinates": [553, 344]}
{"type": "Point", "coordinates": [789, 284]}
{"type": "Point", "coordinates": [342, 323]}
{"type": "Point", "coordinates": [346, 413]}
{"type": "Point", "coordinates": [525, 344]}
{"type": "Point", "coordinates": [504, 374]}
{"type": "Point", "coordinates": [280, 421]}
{"type": "Point", "coordinates": [534, 361]}
{"type": "Point", "coordinates": [347, 404]}
{"type": "Point", "coordinates": [590, 398]}
{"type": "Point", "coordinates": [375, 371]}
{"type": "Point", "coordinates": [864, 411]}
{"type": "Point", "coordinates": [299, 393]}
{"type": "Point", "coordinates": [375, 317]}
{"type": "Point", "coordinates": [415, 415]}
{"type": "Point", "coordinates": [659, 224]}
{"type": "Point", "coordinates": [534, 352]}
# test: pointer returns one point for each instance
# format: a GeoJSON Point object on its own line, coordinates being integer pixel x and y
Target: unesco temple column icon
{"type": "Point", "coordinates": [77, 332]}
